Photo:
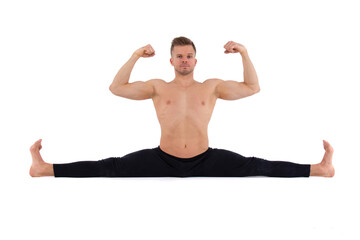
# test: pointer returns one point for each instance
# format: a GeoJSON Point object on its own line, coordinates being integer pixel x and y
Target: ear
{"type": "Point", "coordinates": [171, 61]}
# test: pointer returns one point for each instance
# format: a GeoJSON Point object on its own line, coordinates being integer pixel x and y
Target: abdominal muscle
{"type": "Point", "coordinates": [184, 142]}
{"type": "Point", "coordinates": [184, 131]}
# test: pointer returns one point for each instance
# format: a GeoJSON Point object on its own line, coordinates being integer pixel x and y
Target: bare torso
{"type": "Point", "coordinates": [184, 106]}
{"type": "Point", "coordinates": [184, 114]}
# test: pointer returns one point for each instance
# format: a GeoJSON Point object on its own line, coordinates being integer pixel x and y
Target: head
{"type": "Point", "coordinates": [183, 54]}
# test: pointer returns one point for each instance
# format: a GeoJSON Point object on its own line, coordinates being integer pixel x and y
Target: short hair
{"type": "Point", "coordinates": [181, 41]}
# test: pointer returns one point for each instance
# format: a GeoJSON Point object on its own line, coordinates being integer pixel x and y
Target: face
{"type": "Point", "coordinates": [183, 59]}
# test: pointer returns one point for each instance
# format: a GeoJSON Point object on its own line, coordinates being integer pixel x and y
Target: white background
{"type": "Point", "coordinates": [58, 58]}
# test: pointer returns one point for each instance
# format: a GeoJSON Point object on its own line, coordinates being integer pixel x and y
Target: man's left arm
{"type": "Point", "coordinates": [232, 90]}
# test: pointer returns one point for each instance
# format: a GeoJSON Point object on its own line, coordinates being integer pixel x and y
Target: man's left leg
{"type": "Point", "coordinates": [224, 163]}
{"type": "Point", "coordinates": [325, 168]}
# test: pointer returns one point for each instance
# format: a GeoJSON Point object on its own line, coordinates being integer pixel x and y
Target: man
{"type": "Point", "coordinates": [184, 107]}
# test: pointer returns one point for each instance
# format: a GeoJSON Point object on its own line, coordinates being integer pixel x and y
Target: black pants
{"type": "Point", "coordinates": [156, 163]}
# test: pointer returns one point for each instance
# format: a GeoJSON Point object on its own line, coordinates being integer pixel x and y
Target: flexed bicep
{"type": "Point", "coordinates": [138, 90]}
{"type": "Point", "coordinates": [233, 90]}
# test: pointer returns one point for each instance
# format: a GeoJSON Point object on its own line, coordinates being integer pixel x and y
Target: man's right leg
{"type": "Point", "coordinates": [143, 163]}
{"type": "Point", "coordinates": [39, 167]}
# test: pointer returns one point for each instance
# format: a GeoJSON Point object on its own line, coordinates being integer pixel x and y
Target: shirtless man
{"type": "Point", "coordinates": [184, 108]}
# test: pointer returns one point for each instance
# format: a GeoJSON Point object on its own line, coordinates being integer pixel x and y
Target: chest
{"type": "Point", "coordinates": [197, 100]}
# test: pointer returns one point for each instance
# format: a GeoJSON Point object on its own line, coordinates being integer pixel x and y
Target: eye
{"type": "Point", "coordinates": [189, 56]}
{"type": "Point", "coordinates": [179, 56]}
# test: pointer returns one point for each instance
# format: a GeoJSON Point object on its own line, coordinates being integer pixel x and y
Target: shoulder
{"type": "Point", "coordinates": [155, 81]}
{"type": "Point", "coordinates": [213, 81]}
{"type": "Point", "coordinates": [218, 86]}
{"type": "Point", "coordinates": [158, 85]}
{"type": "Point", "coordinates": [212, 85]}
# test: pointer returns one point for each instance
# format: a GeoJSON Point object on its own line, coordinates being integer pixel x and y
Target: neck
{"type": "Point", "coordinates": [184, 80]}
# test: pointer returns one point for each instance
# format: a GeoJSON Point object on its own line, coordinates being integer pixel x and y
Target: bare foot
{"type": "Point", "coordinates": [325, 168]}
{"type": "Point", "coordinates": [39, 167]}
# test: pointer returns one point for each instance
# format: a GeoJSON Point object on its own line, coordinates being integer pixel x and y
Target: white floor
{"type": "Point", "coordinates": [179, 208]}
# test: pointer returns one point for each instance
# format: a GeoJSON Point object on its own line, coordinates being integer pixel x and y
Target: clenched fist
{"type": "Point", "coordinates": [146, 51]}
{"type": "Point", "coordinates": [233, 47]}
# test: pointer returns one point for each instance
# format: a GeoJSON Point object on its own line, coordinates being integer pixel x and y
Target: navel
{"type": "Point", "coordinates": [168, 102]}
{"type": "Point", "coordinates": [203, 103]}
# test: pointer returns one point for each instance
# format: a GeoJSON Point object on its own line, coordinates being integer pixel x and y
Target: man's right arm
{"type": "Point", "coordinates": [136, 90]}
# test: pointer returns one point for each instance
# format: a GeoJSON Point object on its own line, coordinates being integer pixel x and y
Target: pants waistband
{"type": "Point", "coordinates": [197, 157]}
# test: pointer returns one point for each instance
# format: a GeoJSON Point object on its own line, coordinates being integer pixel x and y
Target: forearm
{"type": "Point", "coordinates": [123, 75]}
{"type": "Point", "coordinates": [250, 76]}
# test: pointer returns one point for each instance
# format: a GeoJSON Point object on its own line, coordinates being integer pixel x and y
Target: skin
{"type": "Point", "coordinates": [184, 106]}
